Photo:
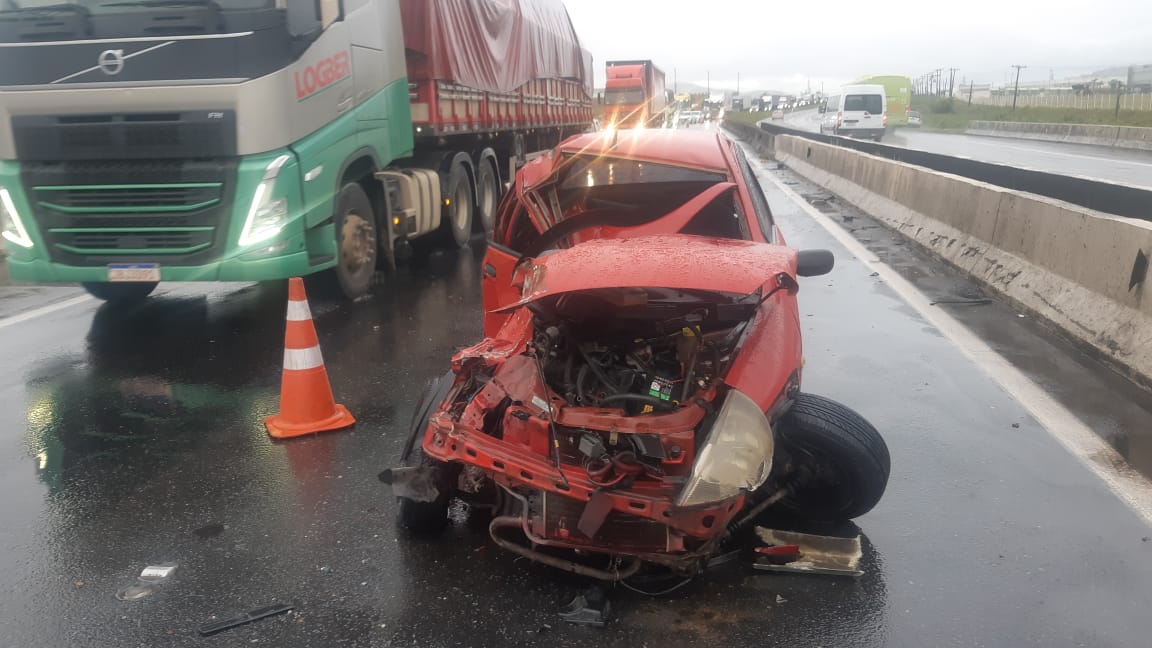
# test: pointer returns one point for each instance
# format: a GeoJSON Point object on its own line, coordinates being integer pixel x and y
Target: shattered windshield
{"type": "Point", "coordinates": [622, 192]}
{"type": "Point", "coordinates": [589, 171]}
{"type": "Point", "coordinates": [623, 97]}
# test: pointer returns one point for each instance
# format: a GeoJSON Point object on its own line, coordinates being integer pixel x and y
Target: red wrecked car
{"type": "Point", "coordinates": [637, 398]}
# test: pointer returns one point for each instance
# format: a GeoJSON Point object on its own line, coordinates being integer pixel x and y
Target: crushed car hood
{"type": "Point", "coordinates": [676, 261]}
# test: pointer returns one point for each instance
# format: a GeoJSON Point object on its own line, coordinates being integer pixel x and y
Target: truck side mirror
{"type": "Point", "coordinates": [303, 18]}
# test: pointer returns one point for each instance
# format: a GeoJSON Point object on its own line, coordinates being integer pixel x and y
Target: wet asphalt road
{"type": "Point", "coordinates": [134, 438]}
{"type": "Point", "coordinates": [1104, 163]}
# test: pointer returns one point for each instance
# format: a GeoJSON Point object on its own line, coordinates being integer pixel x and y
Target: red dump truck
{"type": "Point", "coordinates": [634, 95]}
{"type": "Point", "coordinates": [283, 138]}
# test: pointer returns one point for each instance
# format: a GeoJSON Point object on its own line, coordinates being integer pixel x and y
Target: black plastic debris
{"type": "Point", "coordinates": [244, 617]}
{"type": "Point", "coordinates": [589, 608]}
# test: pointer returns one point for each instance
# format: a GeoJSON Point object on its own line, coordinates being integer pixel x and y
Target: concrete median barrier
{"type": "Point", "coordinates": [1096, 134]}
{"type": "Point", "coordinates": [1082, 270]}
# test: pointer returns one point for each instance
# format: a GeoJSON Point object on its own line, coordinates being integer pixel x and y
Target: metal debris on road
{"type": "Point", "coordinates": [961, 302]}
{"type": "Point", "coordinates": [146, 582]}
{"type": "Point", "coordinates": [157, 573]}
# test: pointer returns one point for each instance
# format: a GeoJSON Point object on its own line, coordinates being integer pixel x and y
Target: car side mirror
{"type": "Point", "coordinates": [813, 263]}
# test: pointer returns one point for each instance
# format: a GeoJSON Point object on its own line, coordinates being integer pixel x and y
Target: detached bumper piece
{"type": "Point", "coordinates": [804, 553]}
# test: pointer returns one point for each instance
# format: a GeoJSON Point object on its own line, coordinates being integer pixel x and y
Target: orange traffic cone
{"type": "Point", "coordinates": [306, 403]}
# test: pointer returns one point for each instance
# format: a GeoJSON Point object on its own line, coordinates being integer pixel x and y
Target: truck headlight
{"type": "Point", "coordinates": [11, 227]}
{"type": "Point", "coordinates": [267, 215]}
{"type": "Point", "coordinates": [736, 457]}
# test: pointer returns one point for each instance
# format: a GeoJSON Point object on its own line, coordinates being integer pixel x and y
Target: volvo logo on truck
{"type": "Point", "coordinates": [111, 62]}
{"type": "Point", "coordinates": [322, 75]}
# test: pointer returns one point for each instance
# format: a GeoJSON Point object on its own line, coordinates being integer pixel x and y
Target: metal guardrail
{"type": "Point", "coordinates": [1099, 195]}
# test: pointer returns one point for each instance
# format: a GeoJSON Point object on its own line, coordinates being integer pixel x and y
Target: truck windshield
{"type": "Point", "coordinates": [623, 96]}
{"type": "Point", "coordinates": [117, 6]}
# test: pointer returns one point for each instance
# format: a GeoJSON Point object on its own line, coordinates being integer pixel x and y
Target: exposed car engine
{"type": "Point", "coordinates": [659, 348]}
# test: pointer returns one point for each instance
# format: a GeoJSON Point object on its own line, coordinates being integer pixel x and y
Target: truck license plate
{"type": "Point", "coordinates": [133, 272]}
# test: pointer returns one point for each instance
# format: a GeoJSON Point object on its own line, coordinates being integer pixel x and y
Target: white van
{"type": "Point", "coordinates": [861, 111]}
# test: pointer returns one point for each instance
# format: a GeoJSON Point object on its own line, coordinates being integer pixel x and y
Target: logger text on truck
{"type": "Point", "coordinates": [244, 140]}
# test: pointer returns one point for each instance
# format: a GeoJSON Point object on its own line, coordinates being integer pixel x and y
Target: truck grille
{"type": "Point", "coordinates": [99, 198]}
{"type": "Point", "coordinates": [130, 136]}
{"type": "Point", "coordinates": [92, 214]}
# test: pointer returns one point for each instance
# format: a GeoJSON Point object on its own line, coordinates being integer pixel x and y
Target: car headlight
{"type": "Point", "coordinates": [736, 457]}
{"type": "Point", "coordinates": [11, 227]}
{"type": "Point", "coordinates": [267, 215]}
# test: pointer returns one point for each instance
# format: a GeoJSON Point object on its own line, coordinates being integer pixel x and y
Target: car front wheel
{"type": "Point", "coordinates": [838, 464]}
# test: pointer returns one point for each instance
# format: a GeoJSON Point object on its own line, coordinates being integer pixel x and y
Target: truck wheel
{"type": "Point", "coordinates": [356, 251]}
{"type": "Point", "coordinates": [458, 206]}
{"type": "Point", "coordinates": [120, 293]}
{"type": "Point", "coordinates": [840, 462]}
{"type": "Point", "coordinates": [488, 198]}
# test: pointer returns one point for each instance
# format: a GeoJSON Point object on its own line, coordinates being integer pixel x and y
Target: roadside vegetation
{"type": "Point", "coordinates": [954, 114]}
{"type": "Point", "coordinates": [747, 118]}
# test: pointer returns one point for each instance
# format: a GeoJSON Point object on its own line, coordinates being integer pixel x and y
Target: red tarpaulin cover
{"type": "Point", "coordinates": [493, 45]}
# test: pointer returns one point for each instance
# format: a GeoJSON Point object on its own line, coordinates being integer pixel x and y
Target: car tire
{"type": "Point", "coordinates": [839, 462]}
{"type": "Point", "coordinates": [120, 293]}
{"type": "Point", "coordinates": [458, 210]}
{"type": "Point", "coordinates": [427, 517]}
{"type": "Point", "coordinates": [356, 245]}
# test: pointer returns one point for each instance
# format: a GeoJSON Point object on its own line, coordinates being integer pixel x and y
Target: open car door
{"type": "Point", "coordinates": [497, 286]}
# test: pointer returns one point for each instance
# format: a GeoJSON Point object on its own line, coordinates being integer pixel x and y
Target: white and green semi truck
{"type": "Point", "coordinates": [246, 140]}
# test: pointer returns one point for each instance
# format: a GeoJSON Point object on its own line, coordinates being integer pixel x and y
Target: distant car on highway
{"type": "Point", "coordinates": [777, 114]}
{"type": "Point", "coordinates": [829, 115]}
{"type": "Point", "coordinates": [914, 118]}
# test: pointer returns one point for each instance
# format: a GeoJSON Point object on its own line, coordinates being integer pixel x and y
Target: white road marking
{"type": "Point", "coordinates": [43, 310]}
{"type": "Point", "coordinates": [1081, 441]}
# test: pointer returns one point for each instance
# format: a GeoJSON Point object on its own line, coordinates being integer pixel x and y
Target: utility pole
{"type": "Point", "coordinates": [1016, 90]}
{"type": "Point", "coordinates": [971, 86]}
{"type": "Point", "coordinates": [737, 84]}
{"type": "Point", "coordinates": [951, 80]}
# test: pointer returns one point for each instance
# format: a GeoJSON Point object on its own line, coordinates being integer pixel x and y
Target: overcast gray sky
{"type": "Point", "coordinates": [781, 44]}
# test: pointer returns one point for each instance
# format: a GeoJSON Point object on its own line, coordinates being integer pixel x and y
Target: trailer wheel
{"type": "Point", "coordinates": [356, 248]}
{"type": "Point", "coordinates": [120, 293]}
{"type": "Point", "coordinates": [840, 462]}
{"type": "Point", "coordinates": [458, 205]}
{"type": "Point", "coordinates": [488, 196]}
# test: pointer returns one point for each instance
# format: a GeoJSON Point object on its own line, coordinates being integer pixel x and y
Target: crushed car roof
{"type": "Point", "coordinates": [700, 149]}
{"type": "Point", "coordinates": [677, 261]}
